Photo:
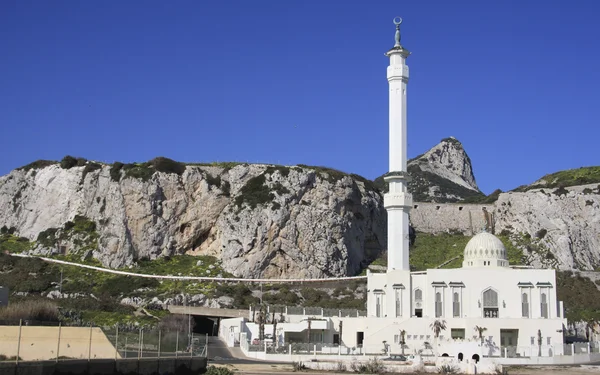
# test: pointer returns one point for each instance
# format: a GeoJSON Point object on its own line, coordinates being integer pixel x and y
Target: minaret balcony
{"type": "Point", "coordinates": [397, 200]}
{"type": "Point", "coordinates": [397, 71]}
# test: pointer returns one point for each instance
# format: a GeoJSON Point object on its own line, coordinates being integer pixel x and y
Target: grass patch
{"type": "Point", "coordinates": [14, 244]}
{"type": "Point", "coordinates": [432, 250]}
{"type": "Point", "coordinates": [81, 231]}
{"type": "Point", "coordinates": [329, 174]}
{"type": "Point", "coordinates": [145, 171]}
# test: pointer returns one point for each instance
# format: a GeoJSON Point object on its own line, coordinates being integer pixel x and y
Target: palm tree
{"type": "Point", "coordinates": [261, 323]}
{"type": "Point", "coordinates": [402, 341]}
{"type": "Point", "coordinates": [480, 331]}
{"type": "Point", "coordinates": [437, 326]}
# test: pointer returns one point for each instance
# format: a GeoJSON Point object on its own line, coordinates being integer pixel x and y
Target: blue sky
{"type": "Point", "coordinates": [293, 82]}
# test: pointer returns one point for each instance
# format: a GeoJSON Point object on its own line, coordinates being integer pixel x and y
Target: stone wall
{"type": "Point", "coordinates": [467, 219]}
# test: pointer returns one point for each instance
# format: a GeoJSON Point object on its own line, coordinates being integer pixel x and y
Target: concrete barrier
{"type": "Point", "coordinates": [143, 366]}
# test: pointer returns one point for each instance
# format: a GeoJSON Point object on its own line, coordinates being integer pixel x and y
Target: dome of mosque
{"type": "Point", "coordinates": [485, 250]}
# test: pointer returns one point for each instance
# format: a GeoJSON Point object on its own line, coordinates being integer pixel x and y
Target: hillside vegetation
{"type": "Point", "coordinates": [433, 250]}
{"type": "Point", "coordinates": [570, 177]}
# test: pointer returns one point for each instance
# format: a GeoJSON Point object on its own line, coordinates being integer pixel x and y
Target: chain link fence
{"type": "Point", "coordinates": [32, 341]}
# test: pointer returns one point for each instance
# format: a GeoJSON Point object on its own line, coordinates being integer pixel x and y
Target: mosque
{"type": "Point", "coordinates": [487, 307]}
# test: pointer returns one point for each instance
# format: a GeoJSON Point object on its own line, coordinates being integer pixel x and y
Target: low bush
{"type": "Point", "coordinates": [166, 165]}
{"type": "Point", "coordinates": [115, 171]}
{"type": "Point", "coordinates": [254, 193]}
{"type": "Point", "coordinates": [68, 162]}
{"type": "Point", "coordinates": [41, 310]}
{"type": "Point", "coordinates": [38, 164]}
{"type": "Point", "coordinates": [447, 369]}
{"type": "Point", "coordinates": [218, 370]}
{"type": "Point", "coordinates": [298, 366]}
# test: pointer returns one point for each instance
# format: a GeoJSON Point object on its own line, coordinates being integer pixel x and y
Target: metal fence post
{"type": "Point", "coordinates": [58, 344]}
{"type": "Point", "coordinates": [142, 345]}
{"type": "Point", "coordinates": [159, 335]}
{"type": "Point", "coordinates": [19, 340]}
{"type": "Point", "coordinates": [117, 343]}
{"type": "Point", "coordinates": [192, 345]}
{"type": "Point", "coordinates": [125, 346]}
{"type": "Point", "coordinates": [176, 344]}
{"type": "Point", "coordinates": [90, 346]}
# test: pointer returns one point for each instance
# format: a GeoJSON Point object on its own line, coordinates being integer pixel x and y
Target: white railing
{"type": "Point", "coordinates": [191, 278]}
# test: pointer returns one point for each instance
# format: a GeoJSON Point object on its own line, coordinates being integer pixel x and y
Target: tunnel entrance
{"type": "Point", "coordinates": [206, 325]}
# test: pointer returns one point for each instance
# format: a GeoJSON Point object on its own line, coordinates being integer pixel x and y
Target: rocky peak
{"type": "Point", "coordinates": [449, 160]}
{"type": "Point", "coordinates": [442, 174]}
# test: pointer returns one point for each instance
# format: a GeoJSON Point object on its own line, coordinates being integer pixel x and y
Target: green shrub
{"type": "Point", "coordinates": [68, 162]}
{"type": "Point", "coordinates": [580, 296]}
{"type": "Point", "coordinates": [560, 191]}
{"type": "Point", "coordinates": [142, 171]}
{"type": "Point", "coordinates": [38, 164]}
{"type": "Point", "coordinates": [166, 165]}
{"type": "Point", "coordinates": [121, 285]}
{"type": "Point", "coordinates": [115, 171]}
{"type": "Point", "coordinates": [283, 170]}
{"type": "Point", "coordinates": [14, 244]}
{"type": "Point", "coordinates": [254, 193]}
{"type": "Point", "coordinates": [214, 370]}
{"type": "Point", "coordinates": [47, 237]}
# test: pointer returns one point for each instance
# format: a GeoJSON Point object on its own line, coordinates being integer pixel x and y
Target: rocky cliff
{"type": "Point", "coordinates": [442, 174]}
{"type": "Point", "coordinates": [260, 220]}
{"type": "Point", "coordinates": [554, 227]}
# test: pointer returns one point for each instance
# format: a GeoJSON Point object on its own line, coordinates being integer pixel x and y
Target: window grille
{"type": "Point", "coordinates": [456, 305]}
{"type": "Point", "coordinates": [438, 304]}
{"type": "Point", "coordinates": [490, 304]}
{"type": "Point", "coordinates": [525, 305]}
{"type": "Point", "coordinates": [544, 306]}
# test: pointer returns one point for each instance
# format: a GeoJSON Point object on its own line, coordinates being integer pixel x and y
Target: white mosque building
{"type": "Point", "coordinates": [488, 307]}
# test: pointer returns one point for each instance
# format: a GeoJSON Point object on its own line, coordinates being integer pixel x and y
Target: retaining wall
{"type": "Point", "coordinates": [468, 219]}
{"type": "Point", "coordinates": [143, 366]}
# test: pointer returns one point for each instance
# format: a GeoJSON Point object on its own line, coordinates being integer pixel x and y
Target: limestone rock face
{"type": "Point", "coordinates": [261, 221]}
{"type": "Point", "coordinates": [564, 230]}
{"type": "Point", "coordinates": [442, 174]}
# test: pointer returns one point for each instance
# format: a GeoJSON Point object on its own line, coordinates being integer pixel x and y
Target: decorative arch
{"type": "Point", "coordinates": [490, 305]}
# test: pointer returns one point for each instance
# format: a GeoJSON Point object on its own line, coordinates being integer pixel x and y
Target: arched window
{"type": "Point", "coordinates": [418, 295]}
{"type": "Point", "coordinates": [525, 305]}
{"type": "Point", "coordinates": [455, 305]}
{"type": "Point", "coordinates": [418, 305]}
{"type": "Point", "coordinates": [544, 305]}
{"type": "Point", "coordinates": [438, 304]}
{"type": "Point", "coordinates": [490, 304]}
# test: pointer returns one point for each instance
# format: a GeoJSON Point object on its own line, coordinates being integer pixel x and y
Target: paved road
{"type": "Point", "coordinates": [219, 353]}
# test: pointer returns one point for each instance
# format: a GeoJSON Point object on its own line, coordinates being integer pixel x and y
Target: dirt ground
{"type": "Point", "coordinates": [250, 369]}
{"type": "Point", "coordinates": [543, 370]}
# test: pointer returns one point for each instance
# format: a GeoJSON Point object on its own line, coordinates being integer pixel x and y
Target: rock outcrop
{"type": "Point", "coordinates": [442, 174]}
{"type": "Point", "coordinates": [260, 220]}
{"type": "Point", "coordinates": [560, 230]}
{"type": "Point", "coordinates": [554, 227]}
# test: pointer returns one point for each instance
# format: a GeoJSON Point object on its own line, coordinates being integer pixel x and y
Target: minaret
{"type": "Point", "coordinates": [397, 201]}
